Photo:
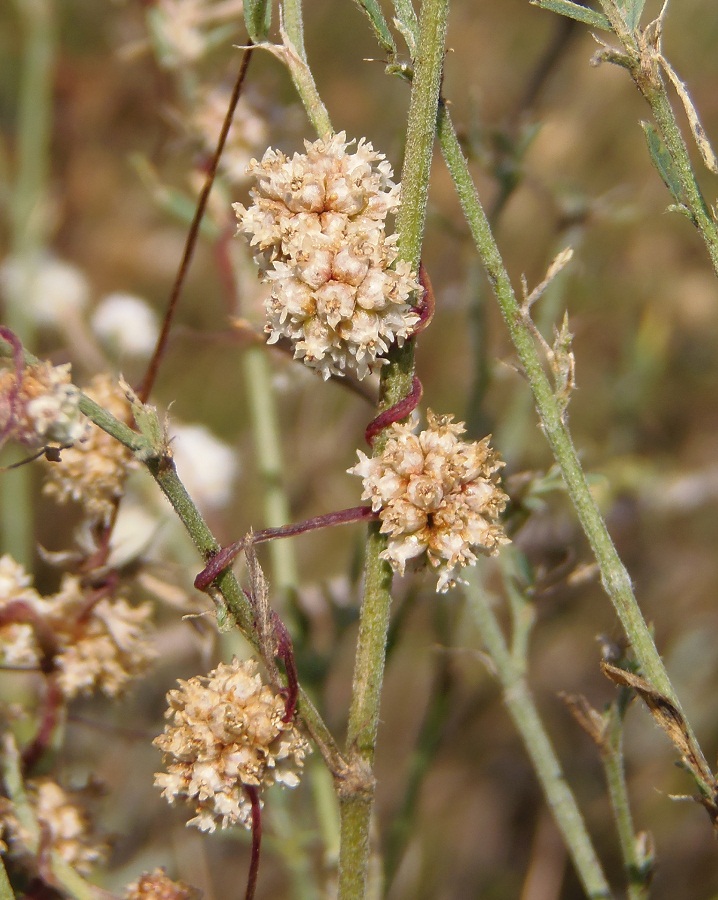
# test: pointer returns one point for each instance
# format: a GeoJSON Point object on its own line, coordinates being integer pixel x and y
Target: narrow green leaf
{"type": "Point", "coordinates": [373, 12]}
{"type": "Point", "coordinates": [258, 18]}
{"type": "Point", "coordinates": [407, 23]}
{"type": "Point", "coordinates": [632, 10]}
{"type": "Point", "coordinates": [574, 11]}
{"type": "Point", "coordinates": [663, 162]}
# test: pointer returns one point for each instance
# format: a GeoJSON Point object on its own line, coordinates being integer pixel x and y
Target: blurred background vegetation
{"type": "Point", "coordinates": [560, 159]}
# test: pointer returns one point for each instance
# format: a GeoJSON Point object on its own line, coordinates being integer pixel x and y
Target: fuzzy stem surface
{"type": "Point", "coordinates": [397, 378]}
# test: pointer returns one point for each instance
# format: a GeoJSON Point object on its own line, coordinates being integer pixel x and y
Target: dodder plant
{"type": "Point", "coordinates": [347, 297]}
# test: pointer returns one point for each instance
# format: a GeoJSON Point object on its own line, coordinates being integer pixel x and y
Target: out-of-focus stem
{"type": "Point", "coordinates": [267, 442]}
{"type": "Point", "coordinates": [511, 672]}
{"type": "Point", "coordinates": [356, 805]}
{"type": "Point", "coordinates": [28, 228]}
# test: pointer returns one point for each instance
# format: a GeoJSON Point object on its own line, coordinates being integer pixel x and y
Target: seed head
{"type": "Point", "coordinates": [317, 224]}
{"type": "Point", "coordinates": [435, 494]}
{"type": "Point", "coordinates": [226, 730]}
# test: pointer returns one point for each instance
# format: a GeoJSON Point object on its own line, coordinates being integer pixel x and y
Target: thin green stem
{"type": "Point", "coordinates": [28, 227]}
{"type": "Point", "coordinates": [614, 576]}
{"type": "Point", "coordinates": [6, 891]}
{"type": "Point", "coordinates": [295, 58]}
{"type": "Point", "coordinates": [265, 429]}
{"type": "Point", "coordinates": [511, 673]}
{"type": "Point", "coordinates": [643, 62]}
{"type": "Point", "coordinates": [638, 871]}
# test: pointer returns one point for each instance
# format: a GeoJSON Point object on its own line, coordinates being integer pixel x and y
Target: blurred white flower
{"type": "Point", "coordinates": [206, 465]}
{"type": "Point", "coordinates": [50, 289]}
{"type": "Point", "coordinates": [126, 323]}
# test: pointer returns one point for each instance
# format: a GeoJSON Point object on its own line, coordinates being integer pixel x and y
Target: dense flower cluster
{"type": "Point", "coordinates": [93, 473]}
{"type": "Point", "coordinates": [317, 224]}
{"type": "Point", "coordinates": [226, 730]}
{"type": "Point", "coordinates": [157, 886]}
{"type": "Point", "coordinates": [436, 494]}
{"type": "Point", "coordinates": [66, 828]}
{"type": "Point", "coordinates": [40, 406]}
{"type": "Point", "coordinates": [95, 646]}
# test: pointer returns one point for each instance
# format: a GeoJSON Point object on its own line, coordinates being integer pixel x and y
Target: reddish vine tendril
{"type": "Point", "coordinates": [220, 560]}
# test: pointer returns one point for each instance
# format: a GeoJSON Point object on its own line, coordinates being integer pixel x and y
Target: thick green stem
{"type": "Point", "coordinates": [6, 891]}
{"type": "Point", "coordinates": [614, 576]}
{"type": "Point", "coordinates": [510, 671]}
{"type": "Point", "coordinates": [357, 802]}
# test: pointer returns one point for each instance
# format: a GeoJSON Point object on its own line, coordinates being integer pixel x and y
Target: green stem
{"type": "Point", "coordinates": [356, 804]}
{"type": "Point", "coordinates": [614, 577]}
{"type": "Point", "coordinates": [6, 891]}
{"type": "Point", "coordinates": [295, 57]}
{"type": "Point", "coordinates": [28, 229]}
{"type": "Point", "coordinates": [522, 709]}
{"type": "Point", "coordinates": [638, 872]}
{"type": "Point", "coordinates": [265, 429]}
{"type": "Point", "coordinates": [642, 63]}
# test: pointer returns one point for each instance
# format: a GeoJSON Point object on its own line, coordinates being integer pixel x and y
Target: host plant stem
{"type": "Point", "coordinates": [357, 803]}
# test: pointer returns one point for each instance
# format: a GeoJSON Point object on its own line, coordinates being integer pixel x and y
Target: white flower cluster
{"type": "Point", "coordinates": [45, 409]}
{"type": "Point", "coordinates": [317, 224]}
{"type": "Point", "coordinates": [100, 646]}
{"type": "Point", "coordinates": [436, 494]}
{"type": "Point", "coordinates": [226, 730]}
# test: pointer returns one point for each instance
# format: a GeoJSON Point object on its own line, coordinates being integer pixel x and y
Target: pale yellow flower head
{"type": "Point", "coordinates": [317, 225]}
{"type": "Point", "coordinates": [226, 730]}
{"type": "Point", "coordinates": [436, 494]}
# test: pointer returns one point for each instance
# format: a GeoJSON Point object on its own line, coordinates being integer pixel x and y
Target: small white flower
{"type": "Point", "coordinates": [207, 466]}
{"type": "Point", "coordinates": [51, 289]}
{"type": "Point", "coordinates": [126, 323]}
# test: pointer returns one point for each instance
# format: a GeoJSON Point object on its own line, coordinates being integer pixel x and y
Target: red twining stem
{"type": "Point", "coordinates": [222, 558]}
{"type": "Point", "coordinates": [253, 794]}
{"type": "Point", "coordinates": [395, 413]}
{"type": "Point", "coordinates": [425, 308]}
